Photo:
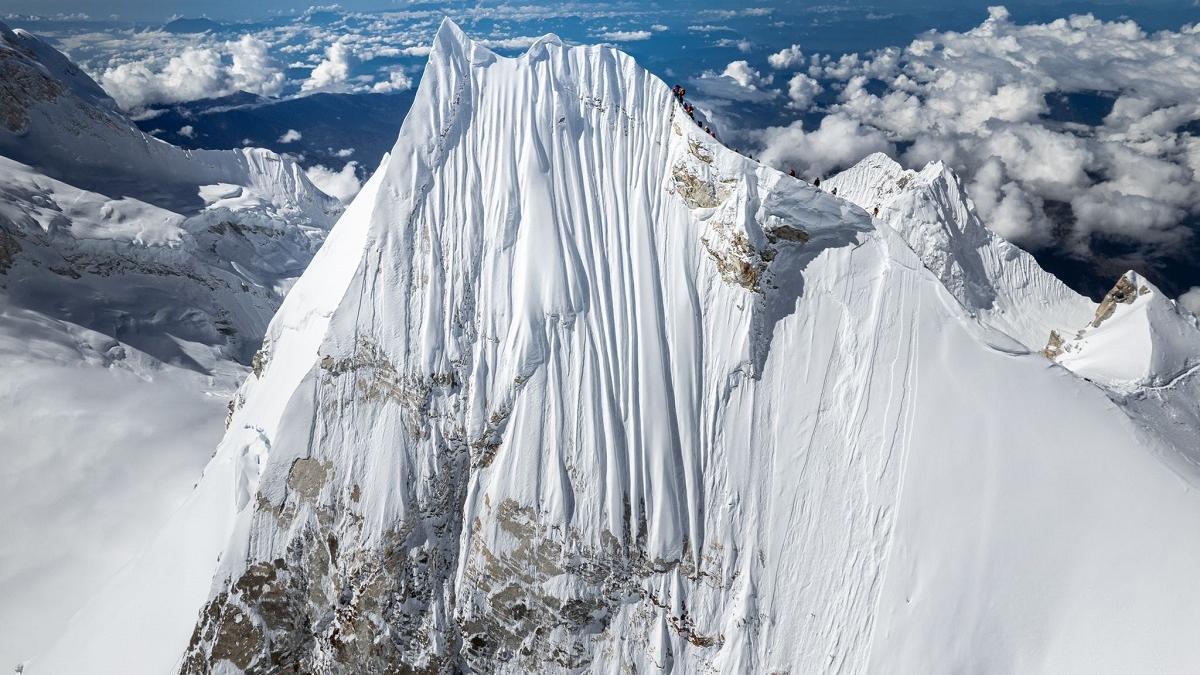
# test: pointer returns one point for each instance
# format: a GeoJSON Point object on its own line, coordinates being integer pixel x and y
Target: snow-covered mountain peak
{"type": "Point", "coordinates": [1138, 336]}
{"type": "Point", "coordinates": [994, 280]}
{"type": "Point", "coordinates": [34, 71]}
{"type": "Point", "coordinates": [574, 388]}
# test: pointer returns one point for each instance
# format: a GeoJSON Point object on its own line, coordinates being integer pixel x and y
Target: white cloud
{"type": "Point", "coordinates": [334, 71]}
{"type": "Point", "coordinates": [626, 35]}
{"type": "Point", "coordinates": [802, 89]}
{"type": "Point", "coordinates": [730, 13]}
{"type": "Point", "coordinates": [837, 143]}
{"type": "Point", "coordinates": [1007, 209]}
{"type": "Point", "coordinates": [397, 81]}
{"type": "Point", "coordinates": [977, 99]}
{"type": "Point", "coordinates": [253, 69]}
{"type": "Point", "coordinates": [344, 152]}
{"type": "Point", "coordinates": [1191, 300]}
{"type": "Point", "coordinates": [195, 72]}
{"type": "Point", "coordinates": [738, 82]}
{"type": "Point", "coordinates": [743, 46]}
{"type": "Point", "coordinates": [187, 131]}
{"type": "Point", "coordinates": [790, 57]}
{"type": "Point", "coordinates": [342, 185]}
{"type": "Point", "coordinates": [290, 136]}
{"type": "Point", "coordinates": [658, 28]}
{"type": "Point", "coordinates": [745, 76]}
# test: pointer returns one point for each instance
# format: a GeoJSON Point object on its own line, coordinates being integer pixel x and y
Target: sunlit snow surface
{"type": "Point", "coordinates": [130, 310]}
{"type": "Point", "coordinates": [572, 387]}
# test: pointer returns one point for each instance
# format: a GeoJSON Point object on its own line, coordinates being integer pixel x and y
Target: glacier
{"type": "Point", "coordinates": [571, 387]}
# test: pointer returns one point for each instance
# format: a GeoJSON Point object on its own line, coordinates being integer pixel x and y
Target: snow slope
{"type": "Point", "coordinates": [1136, 344]}
{"type": "Point", "coordinates": [54, 118]}
{"type": "Point", "coordinates": [572, 387]}
{"type": "Point", "coordinates": [128, 317]}
{"type": "Point", "coordinates": [99, 448]}
{"type": "Point", "coordinates": [993, 279]}
{"type": "Point", "coordinates": [1138, 336]}
{"type": "Point", "coordinates": [1145, 351]}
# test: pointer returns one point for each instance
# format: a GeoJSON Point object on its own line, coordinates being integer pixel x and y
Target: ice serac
{"type": "Point", "coordinates": [993, 279]}
{"type": "Point", "coordinates": [574, 388]}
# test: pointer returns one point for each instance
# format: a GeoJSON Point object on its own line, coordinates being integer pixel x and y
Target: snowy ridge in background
{"type": "Point", "coordinates": [573, 387]}
{"type": "Point", "coordinates": [993, 279]}
{"type": "Point", "coordinates": [136, 281]}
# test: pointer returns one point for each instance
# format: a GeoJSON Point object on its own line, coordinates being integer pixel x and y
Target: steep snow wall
{"type": "Point", "coordinates": [572, 387]}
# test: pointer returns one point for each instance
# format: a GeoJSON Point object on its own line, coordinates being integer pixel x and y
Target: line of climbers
{"type": "Point", "coordinates": [690, 109]}
{"type": "Point", "coordinates": [817, 183]}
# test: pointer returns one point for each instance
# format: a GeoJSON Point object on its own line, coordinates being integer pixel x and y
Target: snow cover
{"type": "Point", "coordinates": [128, 317]}
{"type": "Point", "coordinates": [99, 448]}
{"type": "Point", "coordinates": [1137, 344]}
{"type": "Point", "coordinates": [571, 386]}
{"type": "Point", "coordinates": [993, 279]}
{"type": "Point", "coordinates": [54, 118]}
{"type": "Point", "coordinates": [1137, 337]}
{"type": "Point", "coordinates": [1144, 349]}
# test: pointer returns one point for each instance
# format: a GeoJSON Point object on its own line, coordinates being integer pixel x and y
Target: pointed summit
{"type": "Point", "coordinates": [993, 279]}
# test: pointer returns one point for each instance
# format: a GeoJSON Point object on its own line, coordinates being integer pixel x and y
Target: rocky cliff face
{"type": "Point", "coordinates": [571, 387]}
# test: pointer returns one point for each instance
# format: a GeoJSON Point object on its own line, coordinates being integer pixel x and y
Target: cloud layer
{"type": "Point", "coordinates": [979, 101]}
{"type": "Point", "coordinates": [197, 72]}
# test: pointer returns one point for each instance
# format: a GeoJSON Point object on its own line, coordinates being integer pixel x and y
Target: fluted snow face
{"type": "Point", "coordinates": [573, 387]}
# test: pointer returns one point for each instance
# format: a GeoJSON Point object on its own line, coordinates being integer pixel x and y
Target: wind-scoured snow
{"type": "Point", "coordinates": [572, 387]}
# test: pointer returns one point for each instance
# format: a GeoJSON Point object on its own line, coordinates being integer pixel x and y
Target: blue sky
{"type": "Point", "coordinates": [1075, 125]}
{"type": "Point", "coordinates": [938, 13]}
